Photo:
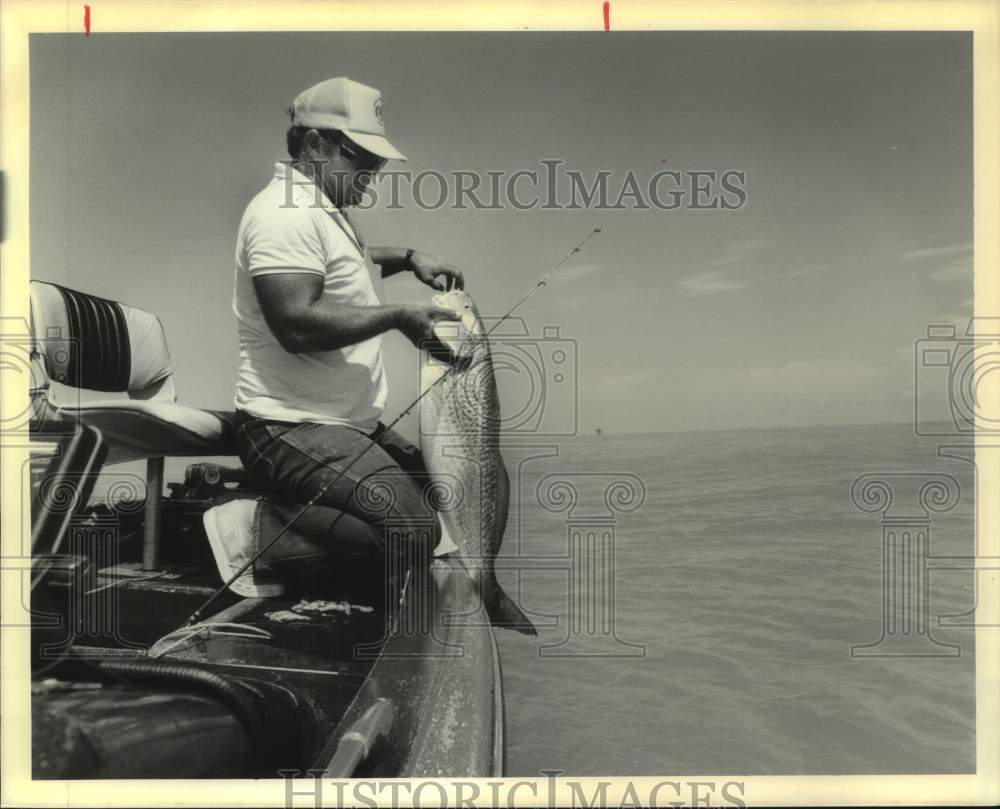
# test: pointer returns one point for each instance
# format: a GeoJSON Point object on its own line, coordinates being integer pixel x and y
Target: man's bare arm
{"type": "Point", "coordinates": [432, 271]}
{"type": "Point", "coordinates": [392, 260]}
{"type": "Point", "coordinates": [303, 321]}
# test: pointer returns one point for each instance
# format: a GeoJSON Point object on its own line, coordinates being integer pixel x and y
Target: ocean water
{"type": "Point", "coordinates": [746, 576]}
{"type": "Point", "coordinates": [740, 584]}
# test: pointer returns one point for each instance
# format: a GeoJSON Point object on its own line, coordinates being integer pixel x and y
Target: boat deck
{"type": "Point", "coordinates": [348, 636]}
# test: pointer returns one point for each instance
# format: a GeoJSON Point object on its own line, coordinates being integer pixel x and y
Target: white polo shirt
{"type": "Point", "coordinates": [292, 227]}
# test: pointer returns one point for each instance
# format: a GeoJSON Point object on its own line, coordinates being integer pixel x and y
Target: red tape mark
{"type": "Point", "coordinates": [86, 19]}
{"type": "Point", "coordinates": [607, 15]}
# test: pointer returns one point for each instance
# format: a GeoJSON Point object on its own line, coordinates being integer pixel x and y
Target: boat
{"type": "Point", "coordinates": [350, 662]}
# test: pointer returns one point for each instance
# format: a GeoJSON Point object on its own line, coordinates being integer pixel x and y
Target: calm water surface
{"type": "Point", "coordinates": [745, 577]}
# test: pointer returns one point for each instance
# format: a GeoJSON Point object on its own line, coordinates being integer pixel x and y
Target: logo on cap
{"type": "Point", "coordinates": [378, 111]}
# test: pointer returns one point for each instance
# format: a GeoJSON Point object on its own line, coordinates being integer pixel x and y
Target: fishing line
{"type": "Point", "coordinates": [196, 615]}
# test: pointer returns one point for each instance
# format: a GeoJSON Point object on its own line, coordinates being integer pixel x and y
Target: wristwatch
{"type": "Point", "coordinates": [409, 257]}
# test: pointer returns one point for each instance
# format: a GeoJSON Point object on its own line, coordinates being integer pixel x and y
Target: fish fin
{"type": "Point", "coordinates": [504, 612]}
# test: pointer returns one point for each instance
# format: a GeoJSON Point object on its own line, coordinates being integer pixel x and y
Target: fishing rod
{"type": "Point", "coordinates": [544, 279]}
{"type": "Point", "coordinates": [196, 615]}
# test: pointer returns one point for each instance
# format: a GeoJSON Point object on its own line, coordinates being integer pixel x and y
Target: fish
{"type": "Point", "coordinates": [460, 440]}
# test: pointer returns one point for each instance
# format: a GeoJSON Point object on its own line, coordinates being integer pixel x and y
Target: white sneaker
{"type": "Point", "coordinates": [230, 534]}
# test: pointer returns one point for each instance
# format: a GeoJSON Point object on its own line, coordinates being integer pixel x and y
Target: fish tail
{"type": "Point", "coordinates": [503, 611]}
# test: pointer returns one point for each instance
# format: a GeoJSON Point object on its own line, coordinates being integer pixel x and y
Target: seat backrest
{"type": "Point", "coordinates": [83, 341]}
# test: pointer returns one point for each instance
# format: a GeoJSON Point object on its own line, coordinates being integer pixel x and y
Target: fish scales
{"type": "Point", "coordinates": [460, 438]}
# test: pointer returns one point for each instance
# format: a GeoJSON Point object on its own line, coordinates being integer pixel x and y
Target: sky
{"type": "Point", "coordinates": [800, 308]}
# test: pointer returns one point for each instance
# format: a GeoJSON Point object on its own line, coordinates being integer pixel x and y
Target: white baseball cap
{"type": "Point", "coordinates": [354, 109]}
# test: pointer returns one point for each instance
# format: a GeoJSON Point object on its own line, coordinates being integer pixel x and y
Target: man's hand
{"type": "Point", "coordinates": [428, 269]}
{"type": "Point", "coordinates": [416, 321]}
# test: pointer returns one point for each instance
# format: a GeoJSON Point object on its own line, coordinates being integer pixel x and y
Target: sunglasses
{"type": "Point", "coordinates": [363, 160]}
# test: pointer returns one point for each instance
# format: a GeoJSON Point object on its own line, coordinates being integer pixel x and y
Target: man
{"type": "Point", "coordinates": [311, 386]}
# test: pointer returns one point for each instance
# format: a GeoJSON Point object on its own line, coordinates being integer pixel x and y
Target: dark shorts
{"type": "Point", "coordinates": [379, 478]}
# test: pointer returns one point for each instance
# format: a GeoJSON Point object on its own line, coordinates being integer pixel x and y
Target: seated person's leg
{"type": "Point", "coordinates": [297, 462]}
{"type": "Point", "coordinates": [408, 457]}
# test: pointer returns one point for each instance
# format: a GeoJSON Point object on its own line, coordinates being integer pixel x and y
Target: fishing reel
{"type": "Point", "coordinates": [206, 481]}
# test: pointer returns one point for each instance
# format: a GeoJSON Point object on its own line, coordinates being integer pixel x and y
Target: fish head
{"type": "Point", "coordinates": [460, 302]}
{"type": "Point", "coordinates": [455, 333]}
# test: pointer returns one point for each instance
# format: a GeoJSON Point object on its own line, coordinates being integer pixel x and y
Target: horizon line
{"type": "Point", "coordinates": [748, 428]}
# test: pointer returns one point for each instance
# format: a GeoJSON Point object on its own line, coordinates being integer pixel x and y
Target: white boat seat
{"type": "Point", "coordinates": [85, 343]}
{"type": "Point", "coordinates": [136, 429]}
{"type": "Point", "coordinates": [83, 346]}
